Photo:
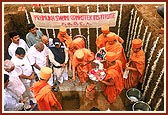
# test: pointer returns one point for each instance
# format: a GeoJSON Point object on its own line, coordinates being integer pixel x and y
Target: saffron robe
{"type": "Point", "coordinates": [79, 44]}
{"type": "Point", "coordinates": [101, 40]}
{"type": "Point", "coordinates": [83, 66]}
{"type": "Point", "coordinates": [66, 39]}
{"type": "Point", "coordinates": [115, 73]}
{"type": "Point", "coordinates": [45, 98]}
{"type": "Point", "coordinates": [118, 49]}
{"type": "Point", "coordinates": [137, 60]}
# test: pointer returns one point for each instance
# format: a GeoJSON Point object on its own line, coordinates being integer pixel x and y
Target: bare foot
{"type": "Point", "coordinates": [73, 78]}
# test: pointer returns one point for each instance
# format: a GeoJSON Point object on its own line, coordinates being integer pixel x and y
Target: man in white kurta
{"type": "Point", "coordinates": [15, 84]}
{"type": "Point", "coordinates": [11, 101]}
{"type": "Point", "coordinates": [16, 42]}
{"type": "Point", "coordinates": [20, 60]}
{"type": "Point", "coordinates": [37, 57]}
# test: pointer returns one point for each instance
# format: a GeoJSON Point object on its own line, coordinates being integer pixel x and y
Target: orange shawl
{"type": "Point", "coordinates": [119, 50]}
{"type": "Point", "coordinates": [119, 39]}
{"type": "Point", "coordinates": [100, 41]}
{"type": "Point", "coordinates": [79, 44]}
{"type": "Point", "coordinates": [84, 66]}
{"type": "Point", "coordinates": [114, 72]}
{"type": "Point", "coordinates": [46, 99]}
{"type": "Point", "coordinates": [67, 39]}
{"type": "Point", "coordinates": [138, 62]}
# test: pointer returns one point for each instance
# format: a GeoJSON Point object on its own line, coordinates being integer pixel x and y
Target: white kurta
{"type": "Point", "coordinates": [27, 70]}
{"type": "Point", "coordinates": [37, 57]}
{"type": "Point", "coordinates": [11, 101]}
{"type": "Point", "coordinates": [24, 64]}
{"type": "Point", "coordinates": [15, 84]}
{"type": "Point", "coordinates": [12, 47]}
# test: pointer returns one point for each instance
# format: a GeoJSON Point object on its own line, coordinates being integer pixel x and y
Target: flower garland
{"type": "Point", "coordinates": [152, 72]}
{"type": "Point", "coordinates": [97, 74]}
{"type": "Point", "coordinates": [156, 86]}
{"type": "Point", "coordinates": [149, 59]}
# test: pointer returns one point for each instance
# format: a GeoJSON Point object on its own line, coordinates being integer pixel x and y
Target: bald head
{"type": "Point", "coordinates": [105, 29]}
{"type": "Point", "coordinates": [45, 40]}
{"type": "Point", "coordinates": [8, 65]}
{"type": "Point", "coordinates": [39, 46]}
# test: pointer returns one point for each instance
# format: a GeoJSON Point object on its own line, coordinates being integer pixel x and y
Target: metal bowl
{"type": "Point", "coordinates": [141, 106]}
{"type": "Point", "coordinates": [134, 94]}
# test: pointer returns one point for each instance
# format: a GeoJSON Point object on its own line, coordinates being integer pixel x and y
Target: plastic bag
{"type": "Point", "coordinates": [125, 75]}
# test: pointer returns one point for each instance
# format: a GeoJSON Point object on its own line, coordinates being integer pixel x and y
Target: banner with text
{"type": "Point", "coordinates": [74, 20]}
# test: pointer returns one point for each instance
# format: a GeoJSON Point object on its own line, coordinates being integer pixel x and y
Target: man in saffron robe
{"type": "Point", "coordinates": [100, 41]}
{"type": "Point", "coordinates": [77, 43]}
{"type": "Point", "coordinates": [112, 45]}
{"type": "Point", "coordinates": [82, 62]}
{"type": "Point", "coordinates": [63, 36]}
{"type": "Point", "coordinates": [113, 82]}
{"type": "Point", "coordinates": [42, 91]}
{"type": "Point", "coordinates": [136, 65]}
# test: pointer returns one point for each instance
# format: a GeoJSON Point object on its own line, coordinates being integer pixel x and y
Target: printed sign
{"type": "Point", "coordinates": [74, 20]}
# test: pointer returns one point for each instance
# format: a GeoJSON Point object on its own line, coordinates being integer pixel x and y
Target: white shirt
{"type": "Point", "coordinates": [24, 64]}
{"type": "Point", "coordinates": [40, 58]}
{"type": "Point", "coordinates": [37, 57]}
{"type": "Point", "coordinates": [12, 47]}
{"type": "Point", "coordinates": [46, 50]}
{"type": "Point", "coordinates": [11, 101]}
{"type": "Point", "coordinates": [15, 84]}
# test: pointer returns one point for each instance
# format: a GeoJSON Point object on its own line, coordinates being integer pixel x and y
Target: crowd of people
{"type": "Point", "coordinates": [39, 62]}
